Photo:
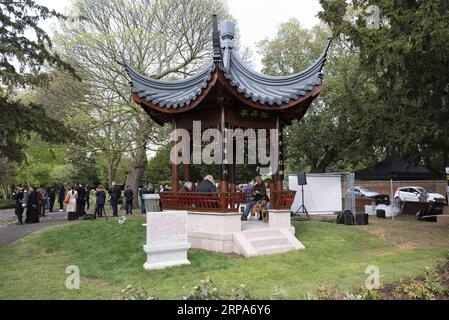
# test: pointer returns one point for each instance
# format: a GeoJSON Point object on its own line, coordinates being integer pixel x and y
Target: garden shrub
{"type": "Point", "coordinates": [428, 288]}
{"type": "Point", "coordinates": [131, 293]}
{"type": "Point", "coordinates": [7, 204]}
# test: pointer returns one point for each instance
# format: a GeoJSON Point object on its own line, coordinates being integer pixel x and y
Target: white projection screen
{"type": "Point", "coordinates": [322, 194]}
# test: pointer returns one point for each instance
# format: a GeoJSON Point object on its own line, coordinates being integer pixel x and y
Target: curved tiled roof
{"type": "Point", "coordinates": [170, 94]}
{"type": "Point", "coordinates": [272, 90]}
{"type": "Point", "coordinates": [262, 89]}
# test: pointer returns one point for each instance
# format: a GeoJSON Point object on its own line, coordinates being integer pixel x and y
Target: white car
{"type": "Point", "coordinates": [417, 194]}
{"type": "Point", "coordinates": [362, 192]}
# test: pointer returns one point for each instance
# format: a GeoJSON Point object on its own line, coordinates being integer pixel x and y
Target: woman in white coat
{"type": "Point", "coordinates": [70, 200]}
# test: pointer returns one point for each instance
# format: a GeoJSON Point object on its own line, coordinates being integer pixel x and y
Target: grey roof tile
{"type": "Point", "coordinates": [259, 88]}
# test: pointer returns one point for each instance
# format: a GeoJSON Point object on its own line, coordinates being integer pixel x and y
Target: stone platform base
{"type": "Point", "coordinates": [225, 233]}
{"type": "Point", "coordinates": [161, 257]}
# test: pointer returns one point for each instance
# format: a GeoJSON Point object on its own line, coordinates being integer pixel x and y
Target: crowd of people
{"type": "Point", "coordinates": [35, 201]}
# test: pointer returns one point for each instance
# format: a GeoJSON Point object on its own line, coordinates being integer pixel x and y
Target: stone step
{"type": "Point", "coordinates": [261, 242]}
{"type": "Point", "coordinates": [261, 233]}
{"type": "Point", "coordinates": [272, 249]}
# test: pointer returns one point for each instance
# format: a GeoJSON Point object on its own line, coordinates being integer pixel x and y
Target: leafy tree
{"type": "Point", "coordinates": [20, 120]}
{"type": "Point", "coordinates": [330, 136]}
{"type": "Point", "coordinates": [44, 163]}
{"type": "Point", "coordinates": [32, 51]}
{"type": "Point", "coordinates": [164, 39]}
{"type": "Point", "coordinates": [22, 63]}
{"type": "Point", "coordinates": [293, 49]}
{"type": "Point", "coordinates": [158, 169]}
{"type": "Point", "coordinates": [406, 54]}
{"type": "Point", "coordinates": [102, 127]}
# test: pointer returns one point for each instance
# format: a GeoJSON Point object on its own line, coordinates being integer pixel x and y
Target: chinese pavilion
{"type": "Point", "coordinates": [227, 94]}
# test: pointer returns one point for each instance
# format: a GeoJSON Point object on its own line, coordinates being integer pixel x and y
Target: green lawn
{"type": "Point", "coordinates": [110, 257]}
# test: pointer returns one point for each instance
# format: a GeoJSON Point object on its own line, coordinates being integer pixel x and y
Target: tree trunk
{"type": "Point", "coordinates": [134, 176]}
{"type": "Point", "coordinates": [113, 163]}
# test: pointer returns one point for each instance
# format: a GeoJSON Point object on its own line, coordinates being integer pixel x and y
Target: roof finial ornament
{"type": "Point", "coordinates": [227, 30]}
{"type": "Point", "coordinates": [216, 39]}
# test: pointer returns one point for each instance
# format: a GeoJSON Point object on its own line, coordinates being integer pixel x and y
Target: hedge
{"type": "Point", "coordinates": [7, 204]}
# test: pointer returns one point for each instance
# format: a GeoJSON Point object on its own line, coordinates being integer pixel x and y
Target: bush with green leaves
{"type": "Point", "coordinates": [207, 290]}
{"type": "Point", "coordinates": [132, 293]}
{"type": "Point", "coordinates": [7, 204]}
{"type": "Point", "coordinates": [428, 288]}
{"type": "Point", "coordinates": [240, 293]}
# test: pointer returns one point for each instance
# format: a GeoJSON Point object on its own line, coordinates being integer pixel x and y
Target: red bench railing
{"type": "Point", "coordinates": [220, 201]}
{"type": "Point", "coordinates": [201, 201]}
{"type": "Point", "coordinates": [282, 200]}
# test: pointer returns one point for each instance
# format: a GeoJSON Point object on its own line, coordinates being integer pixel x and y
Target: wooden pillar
{"type": "Point", "coordinates": [277, 184]}
{"type": "Point", "coordinates": [232, 168]}
{"type": "Point", "coordinates": [223, 186]}
{"type": "Point", "coordinates": [281, 173]}
{"type": "Point", "coordinates": [278, 176]}
{"type": "Point", "coordinates": [186, 171]}
{"type": "Point", "coordinates": [174, 167]}
{"type": "Point", "coordinates": [186, 166]}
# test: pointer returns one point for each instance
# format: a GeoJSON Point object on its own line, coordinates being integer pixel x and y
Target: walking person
{"type": "Point", "coordinates": [51, 198]}
{"type": "Point", "coordinates": [19, 197]}
{"type": "Point", "coordinates": [100, 200]}
{"type": "Point", "coordinates": [61, 194]}
{"type": "Point", "coordinates": [42, 200]}
{"type": "Point", "coordinates": [71, 201]}
{"type": "Point", "coordinates": [115, 194]}
{"type": "Point", "coordinates": [129, 197]}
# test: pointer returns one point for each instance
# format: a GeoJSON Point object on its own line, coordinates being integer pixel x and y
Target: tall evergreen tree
{"type": "Point", "coordinates": [25, 54]}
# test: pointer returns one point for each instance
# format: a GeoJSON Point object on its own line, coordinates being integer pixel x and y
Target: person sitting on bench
{"type": "Point", "coordinates": [259, 194]}
{"type": "Point", "coordinates": [207, 185]}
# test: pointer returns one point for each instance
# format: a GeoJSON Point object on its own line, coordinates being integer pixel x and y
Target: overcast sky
{"type": "Point", "coordinates": [257, 19]}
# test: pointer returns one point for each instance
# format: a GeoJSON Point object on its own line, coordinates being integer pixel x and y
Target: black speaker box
{"type": "Point", "coordinates": [302, 179]}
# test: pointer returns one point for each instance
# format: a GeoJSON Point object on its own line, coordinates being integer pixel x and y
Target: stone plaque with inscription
{"type": "Point", "coordinates": [167, 243]}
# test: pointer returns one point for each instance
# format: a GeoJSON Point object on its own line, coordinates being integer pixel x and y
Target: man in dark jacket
{"type": "Point", "coordinates": [61, 196]}
{"type": "Point", "coordinates": [100, 200]}
{"type": "Point", "coordinates": [115, 193]}
{"type": "Point", "coordinates": [148, 189]}
{"type": "Point", "coordinates": [129, 197]}
{"type": "Point", "coordinates": [19, 197]}
{"type": "Point", "coordinates": [87, 198]}
{"type": "Point", "coordinates": [259, 193]}
{"type": "Point", "coordinates": [207, 185]}
{"type": "Point", "coordinates": [52, 198]}
{"type": "Point", "coordinates": [81, 201]}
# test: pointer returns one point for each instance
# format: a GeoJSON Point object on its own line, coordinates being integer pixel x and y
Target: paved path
{"type": "Point", "coordinates": [11, 231]}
